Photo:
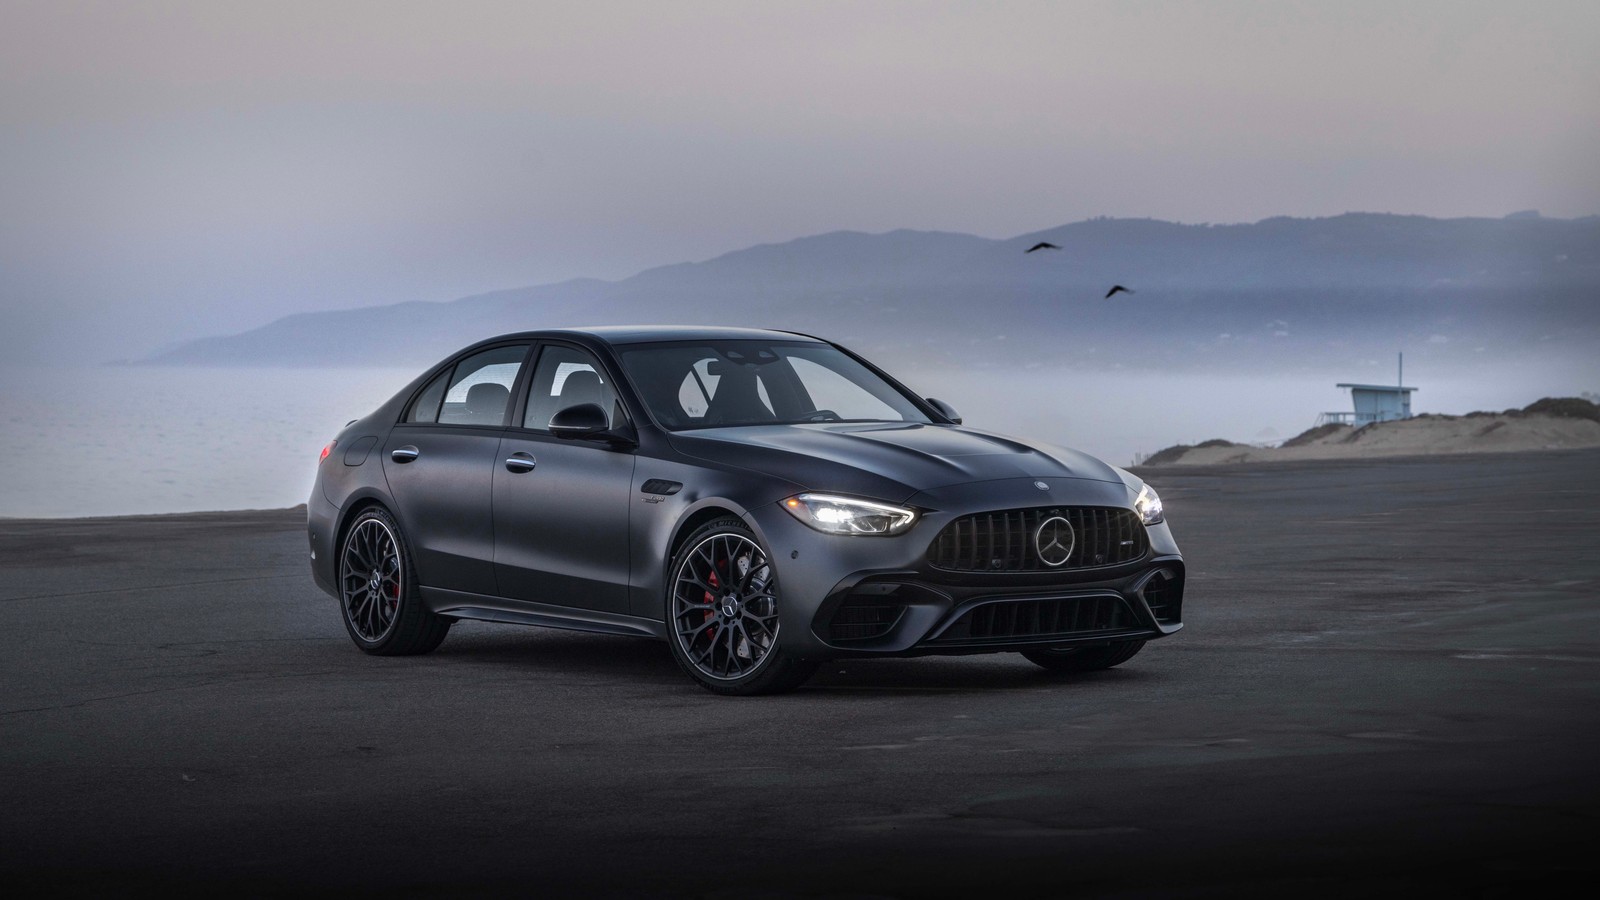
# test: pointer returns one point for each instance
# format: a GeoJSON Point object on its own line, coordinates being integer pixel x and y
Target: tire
{"type": "Point", "coordinates": [378, 595]}
{"type": "Point", "coordinates": [728, 641]}
{"type": "Point", "coordinates": [1085, 659]}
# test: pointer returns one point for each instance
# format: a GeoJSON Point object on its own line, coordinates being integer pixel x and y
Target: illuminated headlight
{"type": "Point", "coordinates": [846, 515]}
{"type": "Point", "coordinates": [1148, 505]}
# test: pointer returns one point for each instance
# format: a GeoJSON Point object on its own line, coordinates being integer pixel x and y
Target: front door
{"type": "Point", "coordinates": [561, 506]}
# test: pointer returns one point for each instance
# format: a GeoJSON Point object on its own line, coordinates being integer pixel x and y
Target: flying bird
{"type": "Point", "coordinates": [1042, 245]}
{"type": "Point", "coordinates": [1115, 288]}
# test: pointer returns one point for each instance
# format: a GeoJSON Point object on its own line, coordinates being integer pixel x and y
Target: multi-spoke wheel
{"type": "Point", "coordinates": [1084, 659]}
{"type": "Point", "coordinates": [377, 588]}
{"type": "Point", "coordinates": [722, 612]}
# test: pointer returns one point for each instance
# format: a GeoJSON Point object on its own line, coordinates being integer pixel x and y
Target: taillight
{"type": "Point", "coordinates": [326, 450]}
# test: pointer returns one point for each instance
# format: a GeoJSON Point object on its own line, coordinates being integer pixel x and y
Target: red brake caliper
{"type": "Point", "coordinates": [712, 580]}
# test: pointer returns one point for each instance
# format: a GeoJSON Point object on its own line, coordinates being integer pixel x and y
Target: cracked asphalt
{"type": "Point", "coordinates": [1387, 684]}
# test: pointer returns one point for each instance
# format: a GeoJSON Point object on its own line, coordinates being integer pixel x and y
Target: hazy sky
{"type": "Point", "coordinates": [172, 170]}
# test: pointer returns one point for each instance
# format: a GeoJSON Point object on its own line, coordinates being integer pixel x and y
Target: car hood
{"type": "Point", "coordinates": [887, 460]}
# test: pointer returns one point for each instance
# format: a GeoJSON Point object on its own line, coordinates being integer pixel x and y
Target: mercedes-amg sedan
{"type": "Point", "coordinates": [761, 500]}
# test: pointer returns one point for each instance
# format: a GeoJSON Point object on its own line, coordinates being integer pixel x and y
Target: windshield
{"type": "Point", "coordinates": [706, 384]}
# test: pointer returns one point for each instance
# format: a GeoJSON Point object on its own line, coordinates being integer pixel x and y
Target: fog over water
{"type": "Point", "coordinates": [126, 440]}
{"type": "Point", "coordinates": [174, 170]}
{"type": "Point", "coordinates": [305, 184]}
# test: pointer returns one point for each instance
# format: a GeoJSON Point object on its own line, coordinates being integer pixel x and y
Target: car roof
{"type": "Point", "coordinates": [644, 334]}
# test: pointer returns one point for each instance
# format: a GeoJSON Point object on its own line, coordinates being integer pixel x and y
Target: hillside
{"type": "Point", "coordinates": [1280, 289]}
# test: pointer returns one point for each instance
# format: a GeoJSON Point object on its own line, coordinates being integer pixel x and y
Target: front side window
{"type": "Point", "coordinates": [567, 376]}
{"type": "Point", "coordinates": [728, 383]}
{"type": "Point", "coordinates": [477, 391]}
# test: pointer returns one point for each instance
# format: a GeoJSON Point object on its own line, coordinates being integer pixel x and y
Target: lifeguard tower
{"type": "Point", "coordinates": [1373, 403]}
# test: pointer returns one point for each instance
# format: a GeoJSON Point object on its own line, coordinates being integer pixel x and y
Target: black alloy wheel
{"type": "Point", "coordinates": [382, 608]}
{"type": "Point", "coordinates": [722, 612]}
{"type": "Point", "coordinates": [1084, 659]}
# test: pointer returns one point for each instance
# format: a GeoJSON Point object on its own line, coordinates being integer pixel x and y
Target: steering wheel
{"type": "Point", "coordinates": [821, 415]}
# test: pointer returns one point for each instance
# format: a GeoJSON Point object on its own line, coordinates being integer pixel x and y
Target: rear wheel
{"type": "Point", "coordinates": [1084, 659]}
{"type": "Point", "coordinates": [722, 614]}
{"type": "Point", "coordinates": [378, 593]}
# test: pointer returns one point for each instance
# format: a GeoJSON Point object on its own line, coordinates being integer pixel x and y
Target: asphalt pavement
{"type": "Point", "coordinates": [1387, 684]}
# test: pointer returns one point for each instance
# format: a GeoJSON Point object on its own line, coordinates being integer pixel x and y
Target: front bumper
{"type": "Point", "coordinates": [879, 596]}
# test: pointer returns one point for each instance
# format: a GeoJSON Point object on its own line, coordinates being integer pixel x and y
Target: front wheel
{"type": "Point", "coordinates": [1084, 659]}
{"type": "Point", "coordinates": [378, 593]}
{"type": "Point", "coordinates": [722, 614]}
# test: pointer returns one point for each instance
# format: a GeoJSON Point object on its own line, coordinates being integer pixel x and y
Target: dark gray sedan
{"type": "Point", "coordinates": [761, 500]}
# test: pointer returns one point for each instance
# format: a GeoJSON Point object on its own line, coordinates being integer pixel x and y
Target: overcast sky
{"type": "Point", "coordinates": [172, 170]}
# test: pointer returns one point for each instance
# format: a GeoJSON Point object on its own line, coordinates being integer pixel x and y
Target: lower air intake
{"type": "Point", "coordinates": [1053, 617]}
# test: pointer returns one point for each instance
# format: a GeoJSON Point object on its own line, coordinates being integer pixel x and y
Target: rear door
{"type": "Point", "coordinates": [440, 465]}
{"type": "Point", "coordinates": [561, 507]}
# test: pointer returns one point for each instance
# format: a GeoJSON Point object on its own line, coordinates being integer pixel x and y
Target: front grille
{"type": "Point", "coordinates": [1164, 594]}
{"type": "Point", "coordinates": [1056, 617]}
{"type": "Point", "coordinates": [1004, 541]}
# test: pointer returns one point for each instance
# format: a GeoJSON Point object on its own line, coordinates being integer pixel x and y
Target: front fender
{"type": "Point", "coordinates": [658, 520]}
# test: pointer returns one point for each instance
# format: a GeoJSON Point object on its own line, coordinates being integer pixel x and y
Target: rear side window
{"type": "Point", "coordinates": [426, 407]}
{"type": "Point", "coordinates": [476, 392]}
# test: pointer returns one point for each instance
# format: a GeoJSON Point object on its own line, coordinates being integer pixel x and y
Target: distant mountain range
{"type": "Point", "coordinates": [1280, 289]}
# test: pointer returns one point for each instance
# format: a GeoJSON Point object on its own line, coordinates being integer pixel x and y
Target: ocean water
{"type": "Point", "coordinates": [128, 440]}
{"type": "Point", "coordinates": [115, 440]}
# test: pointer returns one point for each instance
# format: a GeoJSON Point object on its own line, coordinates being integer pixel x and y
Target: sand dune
{"type": "Point", "coordinates": [1550, 424]}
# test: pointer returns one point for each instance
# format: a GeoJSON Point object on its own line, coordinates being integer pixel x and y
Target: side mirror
{"type": "Point", "coordinates": [586, 420]}
{"type": "Point", "coordinates": [945, 409]}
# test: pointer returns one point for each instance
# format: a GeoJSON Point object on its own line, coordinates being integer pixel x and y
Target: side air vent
{"type": "Point", "coordinates": [1164, 594]}
{"type": "Point", "coordinates": [863, 619]}
{"type": "Point", "coordinates": [871, 611]}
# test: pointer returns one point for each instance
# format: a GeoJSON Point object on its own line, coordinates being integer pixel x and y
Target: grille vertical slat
{"type": "Point", "coordinates": [1004, 540]}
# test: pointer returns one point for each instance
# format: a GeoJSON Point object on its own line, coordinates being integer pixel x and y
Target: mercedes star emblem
{"type": "Point", "coordinates": [1054, 541]}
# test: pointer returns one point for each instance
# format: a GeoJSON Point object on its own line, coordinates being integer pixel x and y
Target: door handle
{"type": "Point", "coordinates": [404, 454]}
{"type": "Point", "coordinates": [520, 462]}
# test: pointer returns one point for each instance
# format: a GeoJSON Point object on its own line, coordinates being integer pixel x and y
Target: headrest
{"type": "Point", "coordinates": [487, 399]}
{"type": "Point", "coordinates": [582, 386]}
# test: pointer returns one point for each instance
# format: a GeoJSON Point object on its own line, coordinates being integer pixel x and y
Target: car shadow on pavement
{"type": "Point", "coordinates": [993, 672]}
{"type": "Point", "coordinates": [647, 662]}
{"type": "Point", "coordinates": [559, 651]}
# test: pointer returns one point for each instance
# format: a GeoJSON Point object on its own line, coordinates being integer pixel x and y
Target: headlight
{"type": "Point", "coordinates": [1148, 505]}
{"type": "Point", "coordinates": [846, 515]}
